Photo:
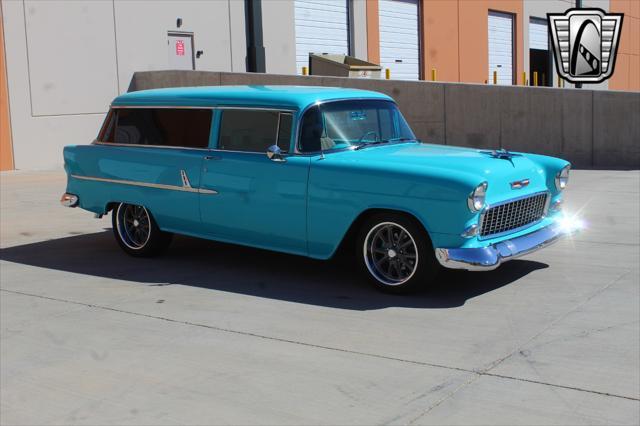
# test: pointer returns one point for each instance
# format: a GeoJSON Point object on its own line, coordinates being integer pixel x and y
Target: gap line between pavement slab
{"type": "Point", "coordinates": [477, 373]}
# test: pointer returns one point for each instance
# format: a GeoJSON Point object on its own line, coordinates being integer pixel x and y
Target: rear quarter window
{"type": "Point", "coordinates": [174, 127]}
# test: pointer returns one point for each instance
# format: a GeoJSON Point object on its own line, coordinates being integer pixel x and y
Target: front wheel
{"type": "Point", "coordinates": [395, 253]}
{"type": "Point", "coordinates": [137, 232]}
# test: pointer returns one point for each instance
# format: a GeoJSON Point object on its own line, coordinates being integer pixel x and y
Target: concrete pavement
{"type": "Point", "coordinates": [218, 334]}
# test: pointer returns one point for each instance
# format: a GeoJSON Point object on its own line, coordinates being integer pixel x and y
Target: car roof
{"type": "Point", "coordinates": [296, 97]}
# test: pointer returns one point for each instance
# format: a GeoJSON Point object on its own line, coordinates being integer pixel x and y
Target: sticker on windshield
{"type": "Point", "coordinates": [358, 115]}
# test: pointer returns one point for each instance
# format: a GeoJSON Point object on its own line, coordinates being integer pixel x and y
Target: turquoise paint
{"type": "Point", "coordinates": [306, 204]}
{"type": "Point", "coordinates": [293, 97]}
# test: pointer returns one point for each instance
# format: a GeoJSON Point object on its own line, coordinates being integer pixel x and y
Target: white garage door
{"type": "Point", "coordinates": [501, 47]}
{"type": "Point", "coordinates": [538, 38]}
{"type": "Point", "coordinates": [399, 38]}
{"type": "Point", "coordinates": [322, 26]}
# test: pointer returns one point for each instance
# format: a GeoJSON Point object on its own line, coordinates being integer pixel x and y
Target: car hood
{"type": "Point", "coordinates": [464, 164]}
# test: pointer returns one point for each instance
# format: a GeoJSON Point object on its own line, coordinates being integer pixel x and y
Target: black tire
{"type": "Point", "coordinates": [395, 253]}
{"type": "Point", "coordinates": [136, 231]}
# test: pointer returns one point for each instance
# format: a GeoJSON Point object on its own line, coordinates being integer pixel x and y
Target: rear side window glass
{"type": "Point", "coordinates": [189, 128]}
{"type": "Point", "coordinates": [106, 132]}
{"type": "Point", "coordinates": [254, 131]}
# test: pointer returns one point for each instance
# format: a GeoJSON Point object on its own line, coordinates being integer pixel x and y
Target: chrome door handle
{"type": "Point", "coordinates": [212, 157]}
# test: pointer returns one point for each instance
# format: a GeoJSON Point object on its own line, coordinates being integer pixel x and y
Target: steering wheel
{"type": "Point", "coordinates": [367, 134]}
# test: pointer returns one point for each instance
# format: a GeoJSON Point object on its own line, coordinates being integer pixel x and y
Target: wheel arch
{"type": "Point", "coordinates": [348, 239]}
{"type": "Point", "coordinates": [111, 205]}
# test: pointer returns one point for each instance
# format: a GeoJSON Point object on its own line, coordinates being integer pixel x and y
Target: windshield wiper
{"type": "Point", "coordinates": [366, 144]}
{"type": "Point", "coordinates": [401, 140]}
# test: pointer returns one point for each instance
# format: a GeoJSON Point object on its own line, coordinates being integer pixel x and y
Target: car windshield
{"type": "Point", "coordinates": [356, 123]}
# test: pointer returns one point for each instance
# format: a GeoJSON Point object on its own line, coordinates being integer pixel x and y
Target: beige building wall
{"type": "Point", "coordinates": [278, 28]}
{"type": "Point", "coordinates": [70, 58]}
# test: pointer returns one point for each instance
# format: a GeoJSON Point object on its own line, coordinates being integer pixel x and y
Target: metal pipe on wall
{"type": "Point", "coordinates": [255, 48]}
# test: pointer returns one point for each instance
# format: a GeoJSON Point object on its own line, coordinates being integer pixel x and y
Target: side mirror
{"type": "Point", "coordinates": [274, 153]}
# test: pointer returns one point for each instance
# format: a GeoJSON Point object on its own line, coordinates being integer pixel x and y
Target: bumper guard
{"type": "Point", "coordinates": [488, 258]}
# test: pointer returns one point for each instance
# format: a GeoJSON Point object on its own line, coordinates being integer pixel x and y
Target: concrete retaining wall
{"type": "Point", "coordinates": [592, 129]}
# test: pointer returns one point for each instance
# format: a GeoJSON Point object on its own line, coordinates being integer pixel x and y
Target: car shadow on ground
{"type": "Point", "coordinates": [242, 270]}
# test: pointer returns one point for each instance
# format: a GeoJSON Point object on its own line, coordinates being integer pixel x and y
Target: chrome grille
{"type": "Point", "coordinates": [513, 215]}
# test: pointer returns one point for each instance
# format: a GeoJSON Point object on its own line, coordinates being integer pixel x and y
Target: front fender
{"type": "Point", "coordinates": [339, 194]}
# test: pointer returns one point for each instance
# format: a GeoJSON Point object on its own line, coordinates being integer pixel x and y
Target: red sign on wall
{"type": "Point", "coordinates": [180, 48]}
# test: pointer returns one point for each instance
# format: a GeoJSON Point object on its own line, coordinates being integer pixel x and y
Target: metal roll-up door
{"type": "Point", "coordinates": [399, 38]}
{"type": "Point", "coordinates": [540, 60]}
{"type": "Point", "coordinates": [501, 47]}
{"type": "Point", "coordinates": [538, 35]}
{"type": "Point", "coordinates": [322, 26]}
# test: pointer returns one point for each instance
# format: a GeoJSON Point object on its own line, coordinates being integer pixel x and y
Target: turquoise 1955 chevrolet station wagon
{"type": "Point", "coordinates": [304, 169]}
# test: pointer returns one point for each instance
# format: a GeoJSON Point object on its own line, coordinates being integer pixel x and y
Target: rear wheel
{"type": "Point", "coordinates": [137, 232]}
{"type": "Point", "coordinates": [395, 253]}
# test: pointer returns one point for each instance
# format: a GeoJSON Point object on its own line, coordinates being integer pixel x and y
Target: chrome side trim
{"type": "Point", "coordinates": [185, 179]}
{"type": "Point", "coordinates": [132, 145]}
{"type": "Point", "coordinates": [147, 184]}
{"type": "Point", "coordinates": [492, 256]}
{"type": "Point", "coordinates": [178, 147]}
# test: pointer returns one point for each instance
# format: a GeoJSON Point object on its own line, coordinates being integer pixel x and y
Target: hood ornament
{"type": "Point", "coordinates": [502, 154]}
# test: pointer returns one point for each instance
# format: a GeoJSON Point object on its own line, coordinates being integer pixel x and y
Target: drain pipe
{"type": "Point", "coordinates": [255, 48]}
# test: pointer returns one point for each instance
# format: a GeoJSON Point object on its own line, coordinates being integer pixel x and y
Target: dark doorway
{"type": "Point", "coordinates": [540, 62]}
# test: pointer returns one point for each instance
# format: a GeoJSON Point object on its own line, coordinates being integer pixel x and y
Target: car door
{"type": "Point", "coordinates": [259, 201]}
{"type": "Point", "coordinates": [152, 156]}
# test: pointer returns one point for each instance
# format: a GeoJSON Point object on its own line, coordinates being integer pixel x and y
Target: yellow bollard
{"type": "Point", "coordinates": [559, 81]}
{"type": "Point", "coordinates": [524, 78]}
{"type": "Point", "coordinates": [387, 74]}
{"type": "Point", "coordinates": [305, 71]}
{"type": "Point", "coordinates": [495, 77]}
{"type": "Point", "coordinates": [433, 74]}
{"type": "Point", "coordinates": [535, 78]}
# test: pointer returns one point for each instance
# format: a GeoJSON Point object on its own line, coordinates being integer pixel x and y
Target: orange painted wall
{"type": "Point", "coordinates": [373, 32]}
{"type": "Point", "coordinates": [456, 41]}
{"type": "Point", "coordinates": [626, 75]}
{"type": "Point", "coordinates": [440, 39]}
{"type": "Point", "coordinates": [6, 148]}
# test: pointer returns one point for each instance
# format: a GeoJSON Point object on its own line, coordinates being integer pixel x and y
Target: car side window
{"type": "Point", "coordinates": [175, 127]}
{"type": "Point", "coordinates": [254, 130]}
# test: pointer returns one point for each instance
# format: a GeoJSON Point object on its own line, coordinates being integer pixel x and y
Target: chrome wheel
{"type": "Point", "coordinates": [133, 226]}
{"type": "Point", "coordinates": [390, 253]}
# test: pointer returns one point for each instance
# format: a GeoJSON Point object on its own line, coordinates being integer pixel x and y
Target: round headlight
{"type": "Point", "coordinates": [477, 197]}
{"type": "Point", "coordinates": [562, 178]}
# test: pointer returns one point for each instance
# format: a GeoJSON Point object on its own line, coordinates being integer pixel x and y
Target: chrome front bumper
{"type": "Point", "coordinates": [488, 258]}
